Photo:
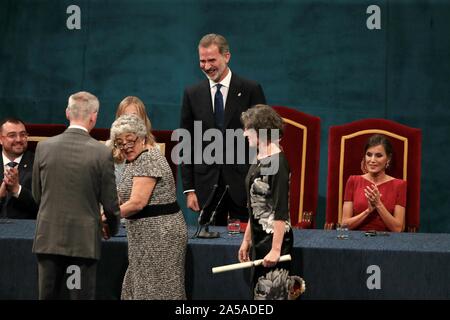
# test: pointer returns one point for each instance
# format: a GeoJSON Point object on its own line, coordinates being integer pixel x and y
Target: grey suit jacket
{"type": "Point", "coordinates": [72, 174]}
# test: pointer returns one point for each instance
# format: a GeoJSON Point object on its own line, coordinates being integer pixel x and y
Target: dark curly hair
{"type": "Point", "coordinates": [262, 116]}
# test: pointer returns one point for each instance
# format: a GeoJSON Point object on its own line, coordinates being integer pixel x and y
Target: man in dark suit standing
{"type": "Point", "coordinates": [217, 103]}
{"type": "Point", "coordinates": [16, 200]}
{"type": "Point", "coordinates": [72, 175]}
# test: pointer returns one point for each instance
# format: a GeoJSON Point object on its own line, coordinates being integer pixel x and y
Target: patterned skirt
{"type": "Point", "coordinates": [156, 258]}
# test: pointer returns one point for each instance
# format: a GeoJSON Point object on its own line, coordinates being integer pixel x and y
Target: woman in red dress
{"type": "Point", "coordinates": [375, 200]}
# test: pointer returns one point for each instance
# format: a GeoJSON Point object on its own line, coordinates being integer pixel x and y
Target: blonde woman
{"type": "Point", "coordinates": [131, 105]}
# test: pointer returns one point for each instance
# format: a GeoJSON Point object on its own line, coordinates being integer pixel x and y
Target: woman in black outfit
{"type": "Point", "coordinates": [269, 233]}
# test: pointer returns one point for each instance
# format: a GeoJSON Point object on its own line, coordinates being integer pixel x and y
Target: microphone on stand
{"type": "Point", "coordinates": [213, 215]}
{"type": "Point", "coordinates": [202, 217]}
{"type": "Point", "coordinates": [206, 233]}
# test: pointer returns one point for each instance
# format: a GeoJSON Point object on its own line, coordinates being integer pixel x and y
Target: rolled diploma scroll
{"type": "Point", "coordinates": [249, 264]}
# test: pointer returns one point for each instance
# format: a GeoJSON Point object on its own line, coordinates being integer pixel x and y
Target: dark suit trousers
{"type": "Point", "coordinates": [57, 280]}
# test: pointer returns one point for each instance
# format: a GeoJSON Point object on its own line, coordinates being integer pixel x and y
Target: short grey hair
{"type": "Point", "coordinates": [128, 123]}
{"type": "Point", "coordinates": [81, 105]}
{"type": "Point", "coordinates": [216, 39]}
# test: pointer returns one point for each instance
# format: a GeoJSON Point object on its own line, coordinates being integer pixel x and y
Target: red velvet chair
{"type": "Point", "coordinates": [39, 132]}
{"type": "Point", "coordinates": [301, 144]}
{"type": "Point", "coordinates": [345, 153]}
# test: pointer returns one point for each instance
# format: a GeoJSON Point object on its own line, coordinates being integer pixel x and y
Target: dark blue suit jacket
{"type": "Point", "coordinates": [23, 207]}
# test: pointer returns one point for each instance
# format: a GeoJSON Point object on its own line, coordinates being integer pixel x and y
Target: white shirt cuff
{"type": "Point", "coordinates": [16, 195]}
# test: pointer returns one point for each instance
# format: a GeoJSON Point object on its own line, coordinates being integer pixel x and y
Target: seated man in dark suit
{"type": "Point", "coordinates": [16, 200]}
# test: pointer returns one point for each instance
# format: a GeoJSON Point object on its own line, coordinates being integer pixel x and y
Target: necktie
{"type": "Point", "coordinates": [218, 107]}
{"type": "Point", "coordinates": [12, 164]}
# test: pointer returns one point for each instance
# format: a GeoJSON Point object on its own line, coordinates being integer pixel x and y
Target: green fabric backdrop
{"type": "Point", "coordinates": [316, 56]}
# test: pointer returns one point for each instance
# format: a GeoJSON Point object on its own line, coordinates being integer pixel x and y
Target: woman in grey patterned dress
{"type": "Point", "coordinates": [156, 229]}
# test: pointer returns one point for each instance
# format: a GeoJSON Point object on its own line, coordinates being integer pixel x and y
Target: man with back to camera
{"type": "Point", "coordinates": [16, 200]}
{"type": "Point", "coordinates": [73, 173]}
{"type": "Point", "coordinates": [217, 103]}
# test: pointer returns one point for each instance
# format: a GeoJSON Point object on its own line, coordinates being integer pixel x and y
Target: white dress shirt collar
{"type": "Point", "coordinates": [6, 159]}
{"type": "Point", "coordinates": [75, 126]}
{"type": "Point", "coordinates": [224, 89]}
{"type": "Point", "coordinates": [225, 82]}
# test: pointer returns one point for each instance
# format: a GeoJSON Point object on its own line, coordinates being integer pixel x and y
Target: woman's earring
{"type": "Point", "coordinates": [363, 166]}
{"type": "Point", "coordinates": [387, 164]}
